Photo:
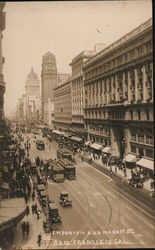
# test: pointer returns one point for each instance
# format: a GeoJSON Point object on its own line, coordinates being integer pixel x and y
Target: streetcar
{"type": "Point", "coordinates": [64, 154]}
{"type": "Point", "coordinates": [40, 145]}
{"type": "Point", "coordinates": [69, 169]}
{"type": "Point", "coordinates": [57, 172]}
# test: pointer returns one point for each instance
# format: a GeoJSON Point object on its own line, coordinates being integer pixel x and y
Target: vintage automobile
{"type": "Point", "coordinates": [136, 181]}
{"type": "Point", "coordinates": [42, 198]}
{"type": "Point", "coordinates": [64, 199]}
{"type": "Point", "coordinates": [54, 216]}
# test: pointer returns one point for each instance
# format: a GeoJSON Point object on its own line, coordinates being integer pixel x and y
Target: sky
{"type": "Point", "coordinates": [64, 28]}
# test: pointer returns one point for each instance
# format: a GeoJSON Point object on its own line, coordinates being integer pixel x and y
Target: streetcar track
{"type": "Point", "coordinates": [131, 198]}
{"type": "Point", "coordinates": [88, 215]}
{"type": "Point", "coordinates": [110, 216]}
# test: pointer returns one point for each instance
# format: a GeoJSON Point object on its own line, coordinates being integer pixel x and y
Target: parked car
{"type": "Point", "coordinates": [64, 199]}
{"type": "Point", "coordinates": [54, 216]}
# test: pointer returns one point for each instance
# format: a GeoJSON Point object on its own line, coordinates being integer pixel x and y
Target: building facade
{"type": "Point", "coordinates": [119, 94]}
{"type": "Point", "coordinates": [32, 104]}
{"type": "Point", "coordinates": [49, 112]}
{"type": "Point", "coordinates": [62, 78]}
{"type": "Point", "coordinates": [78, 92]}
{"type": "Point", "coordinates": [48, 83]}
{"type": "Point", "coordinates": [63, 107]}
{"type": "Point", "coordinates": [2, 83]}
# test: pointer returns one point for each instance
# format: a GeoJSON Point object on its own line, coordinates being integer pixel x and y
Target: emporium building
{"type": "Point", "coordinates": [118, 84]}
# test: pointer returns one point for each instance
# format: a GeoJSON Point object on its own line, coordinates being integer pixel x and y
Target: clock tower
{"type": "Point", "coordinates": [48, 79]}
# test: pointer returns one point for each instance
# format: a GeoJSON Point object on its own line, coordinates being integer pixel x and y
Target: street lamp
{"type": "Point", "coordinates": [123, 154]}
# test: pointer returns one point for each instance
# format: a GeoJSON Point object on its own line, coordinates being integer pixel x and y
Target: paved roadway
{"type": "Point", "coordinates": [102, 215]}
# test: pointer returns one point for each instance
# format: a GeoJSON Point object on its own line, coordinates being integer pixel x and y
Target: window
{"type": "Point", "coordinates": [149, 153]}
{"type": "Point", "coordinates": [141, 138]}
{"type": "Point", "coordinates": [147, 114]}
{"type": "Point", "coordinates": [131, 115]}
{"type": "Point", "coordinates": [149, 140]}
{"type": "Point", "coordinates": [133, 149]}
{"type": "Point", "coordinates": [133, 136]}
{"type": "Point", "coordinates": [101, 140]}
{"type": "Point", "coordinates": [139, 114]}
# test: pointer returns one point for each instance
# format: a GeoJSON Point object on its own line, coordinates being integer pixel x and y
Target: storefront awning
{"type": "Point", "coordinates": [96, 146]}
{"type": "Point", "coordinates": [131, 158]}
{"type": "Point", "coordinates": [143, 162]}
{"type": "Point", "coordinates": [106, 150]}
{"type": "Point", "coordinates": [76, 139]}
{"type": "Point", "coordinates": [56, 132]}
{"type": "Point", "coordinates": [87, 143]}
{"type": "Point", "coordinates": [11, 212]}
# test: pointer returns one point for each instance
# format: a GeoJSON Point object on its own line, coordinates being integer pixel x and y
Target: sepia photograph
{"type": "Point", "coordinates": [76, 125]}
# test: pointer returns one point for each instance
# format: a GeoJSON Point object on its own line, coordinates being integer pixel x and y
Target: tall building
{"type": "Point", "coordinates": [2, 83]}
{"type": "Point", "coordinates": [78, 92]}
{"type": "Point", "coordinates": [63, 107]}
{"type": "Point", "coordinates": [32, 94]}
{"type": "Point", "coordinates": [48, 83]}
{"type": "Point", "coordinates": [119, 94]}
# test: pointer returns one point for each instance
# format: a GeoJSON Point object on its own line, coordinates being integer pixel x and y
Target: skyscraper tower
{"type": "Point", "coordinates": [2, 83]}
{"type": "Point", "coordinates": [32, 86]}
{"type": "Point", "coordinates": [48, 81]}
{"type": "Point", "coordinates": [32, 94]}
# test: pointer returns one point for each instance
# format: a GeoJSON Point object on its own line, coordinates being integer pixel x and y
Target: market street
{"type": "Point", "coordinates": [100, 216]}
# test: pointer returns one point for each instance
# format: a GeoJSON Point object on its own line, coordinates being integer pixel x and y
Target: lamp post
{"type": "Point", "coordinates": [27, 147]}
{"type": "Point", "coordinates": [123, 154]}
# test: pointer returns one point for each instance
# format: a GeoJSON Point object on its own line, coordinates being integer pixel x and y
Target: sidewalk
{"type": "Point", "coordinates": [116, 171]}
{"type": "Point", "coordinates": [36, 227]}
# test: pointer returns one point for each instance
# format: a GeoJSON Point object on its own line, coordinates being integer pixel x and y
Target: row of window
{"type": "Point", "coordinates": [119, 115]}
{"type": "Point", "coordinates": [142, 138]}
{"type": "Point", "coordinates": [144, 152]}
{"type": "Point", "coordinates": [122, 59]}
{"type": "Point", "coordinates": [102, 141]}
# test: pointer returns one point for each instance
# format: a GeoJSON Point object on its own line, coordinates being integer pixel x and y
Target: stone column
{"type": "Point", "coordinates": [144, 83]}
{"type": "Point", "coordinates": [112, 88]}
{"type": "Point", "coordinates": [136, 83]}
{"type": "Point", "coordinates": [128, 88]}
{"type": "Point", "coordinates": [124, 85]}
{"type": "Point", "coordinates": [116, 92]}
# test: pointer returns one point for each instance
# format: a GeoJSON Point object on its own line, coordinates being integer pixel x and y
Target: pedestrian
{"type": "Point", "coordinates": [23, 228]}
{"type": "Point", "coordinates": [32, 207]}
{"type": "Point", "coordinates": [115, 169]}
{"type": "Point", "coordinates": [125, 172]}
{"type": "Point", "coordinates": [35, 208]}
{"type": "Point", "coordinates": [27, 228]}
{"type": "Point", "coordinates": [33, 195]}
{"type": "Point", "coordinates": [27, 210]}
{"type": "Point", "coordinates": [39, 239]}
{"type": "Point", "coordinates": [38, 213]}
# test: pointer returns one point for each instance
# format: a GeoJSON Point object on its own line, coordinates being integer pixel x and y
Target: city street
{"type": "Point", "coordinates": [101, 216]}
